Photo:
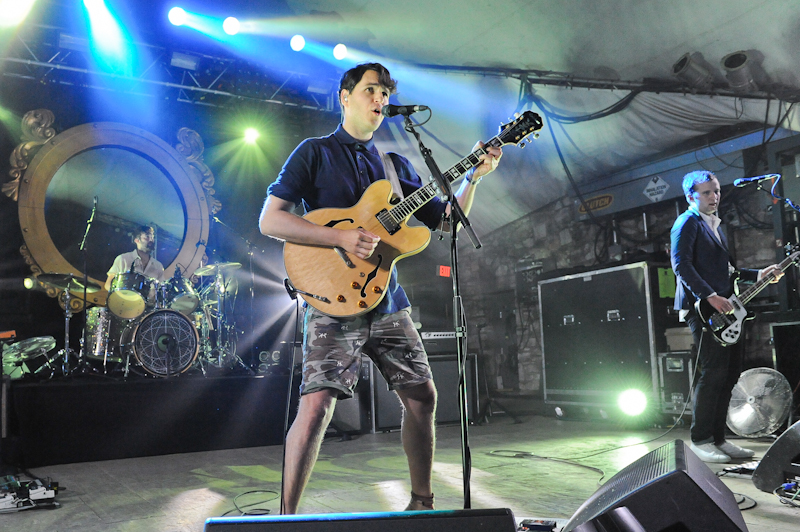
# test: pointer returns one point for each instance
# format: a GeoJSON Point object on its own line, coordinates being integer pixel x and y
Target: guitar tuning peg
{"type": "Point", "coordinates": [536, 135]}
{"type": "Point", "coordinates": [521, 144]}
{"type": "Point", "coordinates": [517, 115]}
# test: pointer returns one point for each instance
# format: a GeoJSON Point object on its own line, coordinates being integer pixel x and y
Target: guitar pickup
{"type": "Point", "coordinates": [388, 222]}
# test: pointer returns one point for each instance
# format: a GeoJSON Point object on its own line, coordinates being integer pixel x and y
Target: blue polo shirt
{"type": "Point", "coordinates": [334, 171]}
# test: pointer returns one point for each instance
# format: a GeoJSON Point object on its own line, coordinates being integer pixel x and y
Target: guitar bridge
{"type": "Point", "coordinates": [388, 222]}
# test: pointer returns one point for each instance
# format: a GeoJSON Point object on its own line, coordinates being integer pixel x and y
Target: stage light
{"type": "Point", "coordinates": [632, 402]}
{"type": "Point", "coordinates": [14, 12]}
{"type": "Point", "coordinates": [251, 135]}
{"type": "Point", "coordinates": [29, 283]}
{"type": "Point", "coordinates": [696, 75]}
{"type": "Point", "coordinates": [108, 43]}
{"type": "Point", "coordinates": [738, 70]}
{"type": "Point", "coordinates": [340, 51]}
{"type": "Point", "coordinates": [177, 16]}
{"type": "Point", "coordinates": [231, 25]}
{"type": "Point", "coordinates": [297, 43]}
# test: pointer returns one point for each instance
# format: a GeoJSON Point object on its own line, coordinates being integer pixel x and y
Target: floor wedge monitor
{"type": "Point", "coordinates": [489, 520]}
{"type": "Point", "coordinates": [668, 489]}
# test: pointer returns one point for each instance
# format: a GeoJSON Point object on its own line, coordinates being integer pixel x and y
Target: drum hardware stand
{"type": "Point", "coordinates": [83, 366]}
{"type": "Point", "coordinates": [64, 353]}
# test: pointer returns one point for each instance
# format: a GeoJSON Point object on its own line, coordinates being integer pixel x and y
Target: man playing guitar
{"type": "Point", "coordinates": [334, 172]}
{"type": "Point", "coordinates": [703, 265]}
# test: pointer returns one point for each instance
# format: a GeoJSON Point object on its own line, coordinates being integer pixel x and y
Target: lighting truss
{"type": "Point", "coordinates": [38, 54]}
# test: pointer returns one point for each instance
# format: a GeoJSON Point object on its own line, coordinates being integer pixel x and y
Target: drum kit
{"type": "Point", "coordinates": [161, 327]}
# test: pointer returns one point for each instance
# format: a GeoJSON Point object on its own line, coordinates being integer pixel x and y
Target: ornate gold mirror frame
{"type": "Point", "coordinates": [40, 155]}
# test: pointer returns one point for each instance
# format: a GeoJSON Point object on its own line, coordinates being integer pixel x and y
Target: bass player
{"type": "Point", "coordinates": [334, 171]}
{"type": "Point", "coordinates": [703, 265]}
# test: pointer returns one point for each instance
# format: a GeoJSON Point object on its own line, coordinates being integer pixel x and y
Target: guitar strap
{"type": "Point", "coordinates": [391, 174]}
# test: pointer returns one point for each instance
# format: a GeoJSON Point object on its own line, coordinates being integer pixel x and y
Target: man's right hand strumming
{"type": "Point", "coordinates": [720, 303]}
{"type": "Point", "coordinates": [359, 242]}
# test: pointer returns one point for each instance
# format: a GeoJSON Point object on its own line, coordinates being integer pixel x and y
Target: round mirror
{"type": "Point", "coordinates": [137, 178]}
{"type": "Point", "coordinates": [126, 186]}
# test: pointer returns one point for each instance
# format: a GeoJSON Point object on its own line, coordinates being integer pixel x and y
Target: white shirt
{"type": "Point", "coordinates": [122, 264]}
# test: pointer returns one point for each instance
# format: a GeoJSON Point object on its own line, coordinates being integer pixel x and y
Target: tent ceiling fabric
{"type": "Point", "coordinates": [634, 38]}
{"type": "Point", "coordinates": [622, 39]}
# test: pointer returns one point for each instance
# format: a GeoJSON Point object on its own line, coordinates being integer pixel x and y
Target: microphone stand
{"type": "Point", "coordinates": [82, 367]}
{"type": "Point", "coordinates": [457, 216]}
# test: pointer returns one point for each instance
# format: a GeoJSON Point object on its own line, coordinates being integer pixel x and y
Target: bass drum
{"type": "Point", "coordinates": [164, 343]}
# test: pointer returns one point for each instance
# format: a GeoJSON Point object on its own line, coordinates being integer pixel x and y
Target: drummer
{"type": "Point", "coordinates": [140, 258]}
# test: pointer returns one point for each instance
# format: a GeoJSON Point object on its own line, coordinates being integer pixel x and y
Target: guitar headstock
{"type": "Point", "coordinates": [523, 125]}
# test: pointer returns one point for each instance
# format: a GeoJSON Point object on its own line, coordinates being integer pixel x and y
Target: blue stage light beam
{"type": "Point", "coordinates": [231, 25]}
{"type": "Point", "coordinates": [14, 12]}
{"type": "Point", "coordinates": [214, 27]}
{"type": "Point", "coordinates": [340, 51]}
{"type": "Point", "coordinates": [177, 16]}
{"type": "Point", "coordinates": [297, 43]}
{"type": "Point", "coordinates": [109, 45]}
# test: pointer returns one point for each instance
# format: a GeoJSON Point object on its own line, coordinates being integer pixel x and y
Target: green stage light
{"type": "Point", "coordinates": [251, 135]}
{"type": "Point", "coordinates": [632, 402]}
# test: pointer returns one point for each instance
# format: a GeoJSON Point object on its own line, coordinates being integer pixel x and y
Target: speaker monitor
{"type": "Point", "coordinates": [781, 461]}
{"type": "Point", "coordinates": [668, 489]}
{"type": "Point", "coordinates": [488, 520]}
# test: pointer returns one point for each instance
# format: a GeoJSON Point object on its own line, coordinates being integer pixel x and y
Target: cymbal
{"type": "Point", "coordinates": [212, 269]}
{"type": "Point", "coordinates": [27, 349]}
{"type": "Point", "coordinates": [68, 281]}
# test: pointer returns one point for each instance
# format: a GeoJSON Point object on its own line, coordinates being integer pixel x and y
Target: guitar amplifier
{"type": "Point", "coordinates": [439, 342]}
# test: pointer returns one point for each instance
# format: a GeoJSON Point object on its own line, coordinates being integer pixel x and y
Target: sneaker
{"type": "Point", "coordinates": [734, 451]}
{"type": "Point", "coordinates": [708, 452]}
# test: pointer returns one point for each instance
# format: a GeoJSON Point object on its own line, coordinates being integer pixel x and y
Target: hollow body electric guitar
{"type": "Point", "coordinates": [340, 284]}
{"type": "Point", "coordinates": [727, 328]}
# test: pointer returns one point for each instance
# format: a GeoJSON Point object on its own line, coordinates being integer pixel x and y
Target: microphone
{"type": "Point", "coordinates": [95, 202]}
{"type": "Point", "coordinates": [390, 110]}
{"type": "Point", "coordinates": [744, 181]}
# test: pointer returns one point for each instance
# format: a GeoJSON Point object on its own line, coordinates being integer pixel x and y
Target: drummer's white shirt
{"type": "Point", "coordinates": [122, 264]}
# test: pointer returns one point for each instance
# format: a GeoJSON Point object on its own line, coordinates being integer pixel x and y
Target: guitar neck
{"type": "Point", "coordinates": [751, 292]}
{"type": "Point", "coordinates": [424, 194]}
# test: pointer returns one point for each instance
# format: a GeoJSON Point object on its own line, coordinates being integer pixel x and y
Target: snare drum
{"type": "Point", "coordinates": [128, 295]}
{"type": "Point", "coordinates": [178, 294]}
{"type": "Point", "coordinates": [104, 333]}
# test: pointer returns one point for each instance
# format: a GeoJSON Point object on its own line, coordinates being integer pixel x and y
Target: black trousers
{"type": "Point", "coordinates": [719, 369]}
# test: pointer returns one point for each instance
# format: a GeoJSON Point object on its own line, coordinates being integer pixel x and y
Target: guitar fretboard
{"type": "Point", "coordinates": [424, 194]}
{"type": "Point", "coordinates": [758, 286]}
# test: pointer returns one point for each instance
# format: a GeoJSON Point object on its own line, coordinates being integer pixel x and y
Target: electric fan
{"type": "Point", "coordinates": [760, 403]}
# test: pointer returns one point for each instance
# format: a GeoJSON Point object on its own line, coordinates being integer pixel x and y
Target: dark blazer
{"type": "Point", "coordinates": [700, 261]}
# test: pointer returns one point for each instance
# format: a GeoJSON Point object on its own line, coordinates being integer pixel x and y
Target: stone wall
{"type": "Point", "coordinates": [509, 321]}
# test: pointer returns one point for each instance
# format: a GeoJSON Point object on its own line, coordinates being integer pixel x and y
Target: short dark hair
{"type": "Point", "coordinates": [351, 78]}
{"type": "Point", "coordinates": [140, 231]}
{"type": "Point", "coordinates": [695, 178]}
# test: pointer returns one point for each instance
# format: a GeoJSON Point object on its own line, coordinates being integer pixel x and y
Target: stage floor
{"type": "Point", "coordinates": [176, 493]}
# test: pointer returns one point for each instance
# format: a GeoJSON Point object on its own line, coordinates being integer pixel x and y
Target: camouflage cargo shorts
{"type": "Point", "coordinates": [332, 349]}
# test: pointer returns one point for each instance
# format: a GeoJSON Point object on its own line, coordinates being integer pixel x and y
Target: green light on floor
{"type": "Point", "coordinates": [632, 402]}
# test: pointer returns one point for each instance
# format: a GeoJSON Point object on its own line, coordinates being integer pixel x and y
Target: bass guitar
{"type": "Point", "coordinates": [726, 328]}
{"type": "Point", "coordinates": [342, 285]}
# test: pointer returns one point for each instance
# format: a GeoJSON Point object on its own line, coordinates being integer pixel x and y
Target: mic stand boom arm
{"type": "Point", "coordinates": [460, 325]}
